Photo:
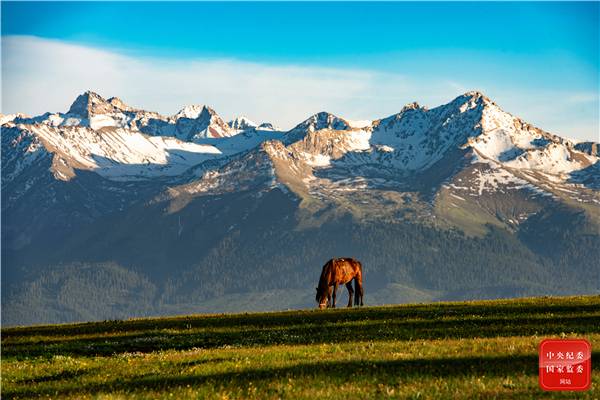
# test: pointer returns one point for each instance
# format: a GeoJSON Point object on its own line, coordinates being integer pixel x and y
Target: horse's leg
{"type": "Point", "coordinates": [358, 287]}
{"type": "Point", "coordinates": [362, 291]}
{"type": "Point", "coordinates": [328, 296]}
{"type": "Point", "coordinates": [334, 293]}
{"type": "Point", "coordinates": [350, 293]}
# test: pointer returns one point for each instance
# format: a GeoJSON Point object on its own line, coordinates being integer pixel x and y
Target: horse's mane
{"type": "Point", "coordinates": [323, 281]}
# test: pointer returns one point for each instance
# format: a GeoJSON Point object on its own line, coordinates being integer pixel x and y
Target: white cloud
{"type": "Point", "coordinates": [41, 75]}
{"type": "Point", "coordinates": [583, 97]}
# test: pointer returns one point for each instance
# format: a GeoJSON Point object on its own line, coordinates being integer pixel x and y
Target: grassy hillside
{"type": "Point", "coordinates": [211, 268]}
{"type": "Point", "coordinates": [485, 349]}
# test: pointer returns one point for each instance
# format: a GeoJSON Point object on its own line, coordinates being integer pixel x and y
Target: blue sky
{"type": "Point", "coordinates": [284, 61]}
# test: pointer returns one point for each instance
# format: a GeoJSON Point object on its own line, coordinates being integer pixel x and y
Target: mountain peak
{"type": "Point", "coordinates": [197, 111]}
{"type": "Point", "coordinates": [324, 120]}
{"type": "Point", "coordinates": [411, 106]}
{"type": "Point", "coordinates": [208, 112]}
{"type": "Point", "coordinates": [201, 122]}
{"type": "Point", "coordinates": [474, 93]}
{"type": "Point", "coordinates": [88, 102]}
{"type": "Point", "coordinates": [193, 111]}
{"type": "Point", "coordinates": [267, 126]}
{"type": "Point", "coordinates": [118, 103]}
{"type": "Point", "coordinates": [475, 96]}
{"type": "Point", "coordinates": [242, 123]}
{"type": "Point", "coordinates": [473, 100]}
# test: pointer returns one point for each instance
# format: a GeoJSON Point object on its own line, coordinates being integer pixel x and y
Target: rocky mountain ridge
{"type": "Point", "coordinates": [175, 203]}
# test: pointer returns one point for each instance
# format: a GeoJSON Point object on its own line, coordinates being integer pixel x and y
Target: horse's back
{"type": "Point", "coordinates": [356, 265]}
{"type": "Point", "coordinates": [345, 269]}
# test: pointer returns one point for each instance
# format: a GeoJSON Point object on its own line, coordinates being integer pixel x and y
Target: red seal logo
{"type": "Point", "coordinates": [565, 364]}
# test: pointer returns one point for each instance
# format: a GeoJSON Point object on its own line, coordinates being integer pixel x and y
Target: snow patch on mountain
{"type": "Point", "coordinates": [118, 153]}
{"type": "Point", "coordinates": [498, 178]}
{"type": "Point", "coordinates": [251, 170]}
{"type": "Point", "coordinates": [554, 158]}
{"type": "Point", "coordinates": [359, 124]}
{"type": "Point", "coordinates": [6, 118]}
{"type": "Point", "coordinates": [319, 148]}
{"type": "Point", "coordinates": [192, 111]}
{"type": "Point", "coordinates": [20, 150]}
{"type": "Point", "coordinates": [516, 144]}
{"type": "Point", "coordinates": [267, 126]}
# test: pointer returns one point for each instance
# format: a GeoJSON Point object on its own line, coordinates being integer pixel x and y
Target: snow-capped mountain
{"type": "Point", "coordinates": [442, 157]}
{"type": "Point", "coordinates": [120, 142]}
{"type": "Point", "coordinates": [242, 124]}
{"type": "Point", "coordinates": [267, 126]}
{"type": "Point", "coordinates": [245, 125]}
{"type": "Point", "coordinates": [323, 120]}
{"type": "Point", "coordinates": [317, 122]}
{"type": "Point", "coordinates": [194, 123]}
{"type": "Point", "coordinates": [191, 123]}
{"type": "Point", "coordinates": [117, 153]}
{"type": "Point", "coordinates": [165, 190]}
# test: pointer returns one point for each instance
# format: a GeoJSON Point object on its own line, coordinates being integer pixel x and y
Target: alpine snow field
{"type": "Point", "coordinates": [111, 212]}
{"type": "Point", "coordinates": [469, 350]}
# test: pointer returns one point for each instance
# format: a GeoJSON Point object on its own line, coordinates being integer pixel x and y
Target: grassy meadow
{"type": "Point", "coordinates": [460, 350]}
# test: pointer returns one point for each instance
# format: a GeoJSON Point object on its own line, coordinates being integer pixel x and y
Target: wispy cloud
{"type": "Point", "coordinates": [41, 75]}
{"type": "Point", "coordinates": [583, 97]}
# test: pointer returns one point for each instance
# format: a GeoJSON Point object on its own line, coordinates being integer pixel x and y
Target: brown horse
{"type": "Point", "coordinates": [340, 271]}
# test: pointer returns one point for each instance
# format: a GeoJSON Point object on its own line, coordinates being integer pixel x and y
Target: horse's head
{"type": "Point", "coordinates": [322, 297]}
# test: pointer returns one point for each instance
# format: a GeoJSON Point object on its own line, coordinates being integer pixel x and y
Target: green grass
{"type": "Point", "coordinates": [485, 349]}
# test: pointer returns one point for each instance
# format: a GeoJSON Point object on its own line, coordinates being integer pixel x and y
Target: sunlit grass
{"type": "Point", "coordinates": [442, 350]}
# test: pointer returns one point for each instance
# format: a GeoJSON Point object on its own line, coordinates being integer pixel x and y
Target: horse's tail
{"type": "Point", "coordinates": [358, 287]}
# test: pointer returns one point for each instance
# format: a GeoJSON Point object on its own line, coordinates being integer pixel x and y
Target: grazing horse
{"type": "Point", "coordinates": [340, 271]}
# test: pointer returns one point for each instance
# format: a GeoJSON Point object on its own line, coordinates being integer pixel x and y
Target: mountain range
{"type": "Point", "coordinates": [110, 211]}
